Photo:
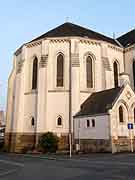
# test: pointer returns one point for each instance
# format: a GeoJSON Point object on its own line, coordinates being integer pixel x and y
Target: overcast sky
{"type": "Point", "coordinates": [22, 20]}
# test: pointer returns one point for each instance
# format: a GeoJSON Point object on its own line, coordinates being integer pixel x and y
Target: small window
{"type": "Point", "coordinates": [32, 121]}
{"type": "Point", "coordinates": [59, 121]}
{"type": "Point", "coordinates": [93, 122]}
{"type": "Point", "coordinates": [88, 123]}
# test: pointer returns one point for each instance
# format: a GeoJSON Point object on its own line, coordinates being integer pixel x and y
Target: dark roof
{"type": "Point", "coordinates": [127, 39]}
{"type": "Point", "coordinates": [69, 29]}
{"type": "Point", "coordinates": [99, 102]}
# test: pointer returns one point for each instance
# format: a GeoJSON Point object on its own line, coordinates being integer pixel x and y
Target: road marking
{"type": "Point", "coordinates": [12, 163]}
{"type": "Point", "coordinates": [92, 162]}
{"type": "Point", "coordinates": [8, 172]}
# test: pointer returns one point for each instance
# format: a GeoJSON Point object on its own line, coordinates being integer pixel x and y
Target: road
{"type": "Point", "coordinates": [88, 167]}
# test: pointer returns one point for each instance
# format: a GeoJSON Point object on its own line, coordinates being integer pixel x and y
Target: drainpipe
{"type": "Point", "coordinates": [70, 100]}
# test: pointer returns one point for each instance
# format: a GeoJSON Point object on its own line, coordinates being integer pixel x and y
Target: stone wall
{"type": "Point", "coordinates": [122, 144]}
{"type": "Point", "coordinates": [19, 142]}
{"type": "Point", "coordinates": [94, 145]}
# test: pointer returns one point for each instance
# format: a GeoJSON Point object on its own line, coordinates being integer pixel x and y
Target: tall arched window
{"type": "Point", "coordinates": [60, 70]}
{"type": "Point", "coordinates": [35, 73]}
{"type": "Point", "coordinates": [89, 72]}
{"type": "Point", "coordinates": [115, 69]}
{"type": "Point", "coordinates": [121, 119]}
{"type": "Point", "coordinates": [134, 73]}
{"type": "Point", "coordinates": [32, 121]}
{"type": "Point", "coordinates": [134, 115]}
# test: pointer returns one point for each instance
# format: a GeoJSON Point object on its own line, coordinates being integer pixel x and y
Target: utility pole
{"type": "Point", "coordinates": [70, 100]}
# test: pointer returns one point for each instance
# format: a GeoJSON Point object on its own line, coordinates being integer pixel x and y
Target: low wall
{"type": "Point", "coordinates": [19, 142]}
{"type": "Point", "coordinates": [94, 145]}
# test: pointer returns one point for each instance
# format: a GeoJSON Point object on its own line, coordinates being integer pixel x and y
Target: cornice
{"type": "Point", "coordinates": [59, 40]}
{"type": "Point", "coordinates": [129, 48]}
{"type": "Point", "coordinates": [32, 44]}
{"type": "Point", "coordinates": [115, 48]}
{"type": "Point", "coordinates": [90, 42]}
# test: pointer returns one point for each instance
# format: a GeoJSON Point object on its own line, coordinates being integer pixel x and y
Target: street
{"type": "Point", "coordinates": [93, 166]}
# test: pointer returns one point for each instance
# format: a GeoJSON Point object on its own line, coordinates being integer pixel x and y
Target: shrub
{"type": "Point", "coordinates": [48, 142]}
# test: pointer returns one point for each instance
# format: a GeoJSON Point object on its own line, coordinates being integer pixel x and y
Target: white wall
{"type": "Point", "coordinates": [48, 101]}
{"type": "Point", "coordinates": [100, 131]}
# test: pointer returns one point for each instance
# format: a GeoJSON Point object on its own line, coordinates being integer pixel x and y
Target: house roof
{"type": "Point", "coordinates": [127, 39]}
{"type": "Point", "coordinates": [99, 102]}
{"type": "Point", "coordinates": [68, 29]}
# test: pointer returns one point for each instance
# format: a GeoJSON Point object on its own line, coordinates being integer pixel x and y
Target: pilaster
{"type": "Point", "coordinates": [42, 91]}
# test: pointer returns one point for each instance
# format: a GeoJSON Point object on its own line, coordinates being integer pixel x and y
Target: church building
{"type": "Point", "coordinates": [75, 82]}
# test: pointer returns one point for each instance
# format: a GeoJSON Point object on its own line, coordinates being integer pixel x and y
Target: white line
{"type": "Point", "coordinates": [12, 163]}
{"type": "Point", "coordinates": [8, 172]}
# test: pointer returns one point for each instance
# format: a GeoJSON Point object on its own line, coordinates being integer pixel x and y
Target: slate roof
{"type": "Point", "coordinates": [68, 29]}
{"type": "Point", "coordinates": [99, 102]}
{"type": "Point", "coordinates": [127, 39]}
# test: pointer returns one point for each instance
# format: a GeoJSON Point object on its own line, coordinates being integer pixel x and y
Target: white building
{"type": "Point", "coordinates": [55, 73]}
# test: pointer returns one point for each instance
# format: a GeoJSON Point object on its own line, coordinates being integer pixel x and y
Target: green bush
{"type": "Point", "coordinates": [48, 142]}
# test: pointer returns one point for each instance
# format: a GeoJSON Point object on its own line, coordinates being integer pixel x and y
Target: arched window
{"type": "Point", "coordinates": [115, 69]}
{"type": "Point", "coordinates": [32, 121]}
{"type": "Point", "coordinates": [60, 70]}
{"type": "Point", "coordinates": [59, 121]}
{"type": "Point", "coordinates": [134, 73]}
{"type": "Point", "coordinates": [35, 73]}
{"type": "Point", "coordinates": [134, 115]}
{"type": "Point", "coordinates": [121, 119]}
{"type": "Point", "coordinates": [89, 72]}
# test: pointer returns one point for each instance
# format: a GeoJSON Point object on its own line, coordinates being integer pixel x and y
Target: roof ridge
{"type": "Point", "coordinates": [124, 34]}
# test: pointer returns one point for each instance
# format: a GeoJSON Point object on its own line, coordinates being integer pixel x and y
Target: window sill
{"type": "Point", "coordinates": [34, 91]}
{"type": "Point", "coordinates": [59, 126]}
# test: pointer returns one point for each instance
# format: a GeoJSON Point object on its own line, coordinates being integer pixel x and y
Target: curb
{"type": "Point", "coordinates": [40, 157]}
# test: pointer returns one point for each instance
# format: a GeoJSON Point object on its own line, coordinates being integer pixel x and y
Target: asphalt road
{"type": "Point", "coordinates": [90, 167]}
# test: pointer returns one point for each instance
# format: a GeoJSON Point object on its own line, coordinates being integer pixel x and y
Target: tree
{"type": "Point", "coordinates": [48, 142]}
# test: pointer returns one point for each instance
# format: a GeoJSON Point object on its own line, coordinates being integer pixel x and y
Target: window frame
{"type": "Point", "coordinates": [87, 123]}
{"type": "Point", "coordinates": [133, 67]}
{"type": "Point", "coordinates": [89, 75]}
{"type": "Point", "coordinates": [93, 125]}
{"type": "Point", "coordinates": [35, 74]}
{"type": "Point", "coordinates": [116, 74]}
{"type": "Point", "coordinates": [121, 114]}
{"type": "Point", "coordinates": [57, 125]}
{"type": "Point", "coordinates": [60, 75]}
{"type": "Point", "coordinates": [32, 121]}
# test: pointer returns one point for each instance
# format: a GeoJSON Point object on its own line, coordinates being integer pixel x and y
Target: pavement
{"type": "Point", "coordinates": [59, 167]}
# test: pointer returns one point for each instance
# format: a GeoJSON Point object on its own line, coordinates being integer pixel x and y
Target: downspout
{"type": "Point", "coordinates": [70, 100]}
